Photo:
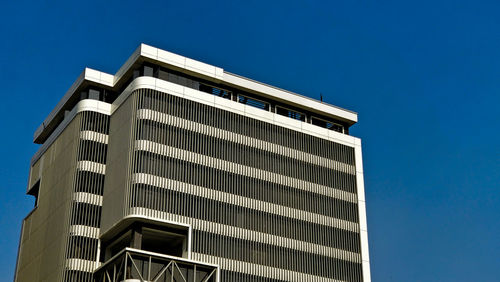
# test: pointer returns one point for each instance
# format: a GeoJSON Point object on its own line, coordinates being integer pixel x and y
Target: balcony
{"type": "Point", "coordinates": [132, 265]}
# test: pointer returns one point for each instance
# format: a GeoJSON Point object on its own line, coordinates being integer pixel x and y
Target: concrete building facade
{"type": "Point", "coordinates": [176, 170]}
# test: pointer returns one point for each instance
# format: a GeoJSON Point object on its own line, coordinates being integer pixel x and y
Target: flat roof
{"type": "Point", "coordinates": [196, 68]}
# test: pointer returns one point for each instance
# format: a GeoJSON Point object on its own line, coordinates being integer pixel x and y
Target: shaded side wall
{"type": "Point", "coordinates": [59, 241]}
{"type": "Point", "coordinates": [44, 230]}
{"type": "Point", "coordinates": [118, 165]}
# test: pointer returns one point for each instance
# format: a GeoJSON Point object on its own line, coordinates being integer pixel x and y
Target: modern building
{"type": "Point", "coordinates": [176, 170]}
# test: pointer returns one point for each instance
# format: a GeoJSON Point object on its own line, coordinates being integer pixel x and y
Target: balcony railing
{"type": "Point", "coordinates": [132, 265]}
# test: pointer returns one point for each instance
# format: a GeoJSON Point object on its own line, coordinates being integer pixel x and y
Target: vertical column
{"type": "Point", "coordinates": [365, 257]}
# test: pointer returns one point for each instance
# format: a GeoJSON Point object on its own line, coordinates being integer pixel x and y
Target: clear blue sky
{"type": "Point", "coordinates": [424, 78]}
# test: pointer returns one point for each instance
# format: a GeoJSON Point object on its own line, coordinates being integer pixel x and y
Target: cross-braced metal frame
{"type": "Point", "coordinates": [136, 265]}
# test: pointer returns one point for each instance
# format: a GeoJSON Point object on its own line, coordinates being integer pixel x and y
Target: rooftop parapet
{"type": "Point", "coordinates": [145, 53]}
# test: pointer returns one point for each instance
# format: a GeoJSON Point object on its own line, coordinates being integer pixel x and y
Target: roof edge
{"type": "Point", "coordinates": [216, 73]}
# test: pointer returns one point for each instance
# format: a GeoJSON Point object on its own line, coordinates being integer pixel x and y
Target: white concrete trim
{"type": "Point", "coordinates": [297, 100]}
{"type": "Point", "coordinates": [94, 136]}
{"type": "Point", "coordinates": [87, 74]}
{"type": "Point", "coordinates": [173, 89]}
{"type": "Point", "coordinates": [84, 231]}
{"type": "Point", "coordinates": [99, 77]}
{"type": "Point", "coordinates": [159, 221]}
{"type": "Point", "coordinates": [219, 74]}
{"type": "Point", "coordinates": [365, 256]}
{"type": "Point", "coordinates": [81, 265]}
{"type": "Point", "coordinates": [91, 166]}
{"type": "Point", "coordinates": [127, 65]}
{"type": "Point", "coordinates": [83, 197]}
{"type": "Point", "coordinates": [196, 67]}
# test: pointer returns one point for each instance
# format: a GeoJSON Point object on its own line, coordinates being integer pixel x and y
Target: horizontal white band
{"type": "Point", "coordinates": [243, 201]}
{"type": "Point", "coordinates": [244, 140]}
{"type": "Point", "coordinates": [261, 270]}
{"type": "Point", "coordinates": [91, 166]}
{"type": "Point", "coordinates": [168, 151]}
{"type": "Point", "coordinates": [82, 106]}
{"type": "Point", "coordinates": [250, 235]}
{"type": "Point", "coordinates": [81, 265]}
{"type": "Point", "coordinates": [88, 198]}
{"type": "Point", "coordinates": [94, 136]}
{"type": "Point", "coordinates": [84, 231]}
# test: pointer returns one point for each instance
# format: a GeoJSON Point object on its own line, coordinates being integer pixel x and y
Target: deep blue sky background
{"type": "Point", "coordinates": [424, 78]}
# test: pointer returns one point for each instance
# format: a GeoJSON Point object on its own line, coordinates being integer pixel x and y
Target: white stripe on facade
{"type": "Point", "coordinates": [88, 198]}
{"type": "Point", "coordinates": [261, 270]}
{"type": "Point", "coordinates": [94, 136]}
{"type": "Point", "coordinates": [149, 146]}
{"type": "Point", "coordinates": [244, 140]}
{"type": "Point", "coordinates": [146, 82]}
{"type": "Point", "coordinates": [84, 231]}
{"type": "Point", "coordinates": [250, 235]}
{"type": "Point", "coordinates": [229, 198]}
{"type": "Point", "coordinates": [81, 265]}
{"type": "Point", "coordinates": [91, 166]}
{"type": "Point", "coordinates": [82, 106]}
